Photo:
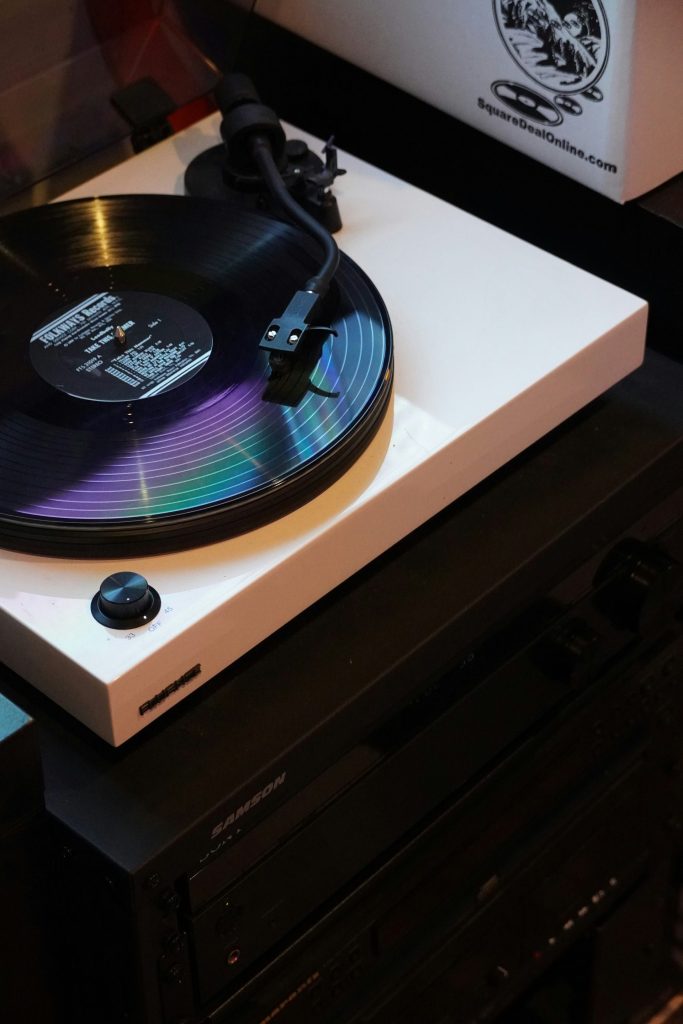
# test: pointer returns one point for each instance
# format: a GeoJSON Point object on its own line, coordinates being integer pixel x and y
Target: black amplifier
{"type": "Point", "coordinates": [454, 775]}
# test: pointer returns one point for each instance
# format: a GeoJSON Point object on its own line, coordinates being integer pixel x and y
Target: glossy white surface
{"type": "Point", "coordinates": [496, 342]}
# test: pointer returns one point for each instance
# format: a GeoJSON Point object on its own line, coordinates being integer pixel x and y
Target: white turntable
{"type": "Point", "coordinates": [496, 343]}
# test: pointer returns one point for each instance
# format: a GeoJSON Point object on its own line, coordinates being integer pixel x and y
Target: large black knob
{"type": "Point", "coordinates": [125, 600]}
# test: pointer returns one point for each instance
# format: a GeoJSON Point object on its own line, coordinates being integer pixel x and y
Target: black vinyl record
{"type": "Point", "coordinates": [527, 102]}
{"type": "Point", "coordinates": [138, 411]}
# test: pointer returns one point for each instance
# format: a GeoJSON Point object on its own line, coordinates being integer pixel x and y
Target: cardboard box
{"type": "Point", "coordinates": [592, 88]}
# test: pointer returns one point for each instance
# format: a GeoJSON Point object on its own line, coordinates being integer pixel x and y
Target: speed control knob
{"type": "Point", "coordinates": [125, 600]}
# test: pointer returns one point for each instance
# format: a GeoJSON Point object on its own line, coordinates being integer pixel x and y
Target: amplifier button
{"type": "Point", "coordinates": [498, 976]}
{"type": "Point", "coordinates": [168, 900]}
{"type": "Point", "coordinates": [571, 653]}
{"type": "Point", "coordinates": [645, 585]}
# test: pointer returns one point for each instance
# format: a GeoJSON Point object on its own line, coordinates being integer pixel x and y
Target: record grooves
{"type": "Point", "coordinates": [138, 412]}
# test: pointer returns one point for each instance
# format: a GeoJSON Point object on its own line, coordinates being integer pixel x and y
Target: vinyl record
{"type": "Point", "coordinates": [138, 411]}
{"type": "Point", "coordinates": [527, 102]}
{"type": "Point", "coordinates": [568, 104]}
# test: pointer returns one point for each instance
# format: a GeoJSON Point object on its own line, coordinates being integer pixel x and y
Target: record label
{"type": "Point", "coordinates": [121, 347]}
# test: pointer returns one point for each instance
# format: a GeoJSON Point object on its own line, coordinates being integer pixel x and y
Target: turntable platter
{"type": "Point", "coordinates": [138, 412]}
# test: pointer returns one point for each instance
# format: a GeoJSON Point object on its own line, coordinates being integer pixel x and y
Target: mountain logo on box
{"type": "Point", "coordinates": [563, 46]}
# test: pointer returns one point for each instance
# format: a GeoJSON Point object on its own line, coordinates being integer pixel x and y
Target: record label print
{"type": "Point", "coordinates": [121, 347]}
{"type": "Point", "coordinates": [138, 411]}
{"type": "Point", "coordinates": [563, 45]}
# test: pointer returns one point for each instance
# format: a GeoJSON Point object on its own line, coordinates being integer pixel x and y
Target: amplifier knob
{"type": "Point", "coordinates": [643, 588]}
{"type": "Point", "coordinates": [125, 600]}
